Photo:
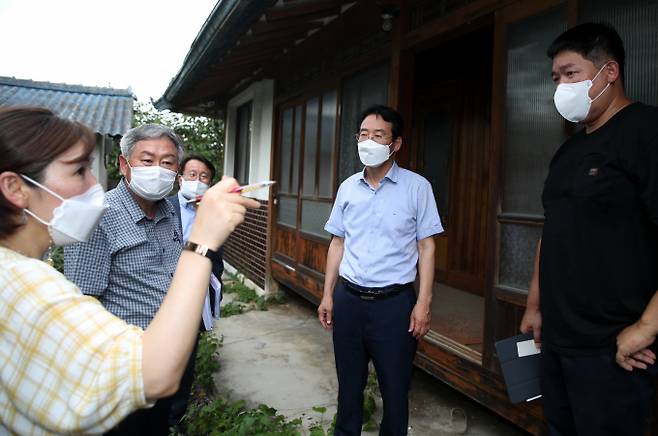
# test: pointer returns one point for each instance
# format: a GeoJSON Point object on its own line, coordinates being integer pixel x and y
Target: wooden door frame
{"type": "Point", "coordinates": [503, 18]}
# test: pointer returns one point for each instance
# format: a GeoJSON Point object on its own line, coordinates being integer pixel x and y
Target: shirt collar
{"type": "Point", "coordinates": [392, 174]}
{"type": "Point", "coordinates": [184, 202]}
{"type": "Point", "coordinates": [163, 207]}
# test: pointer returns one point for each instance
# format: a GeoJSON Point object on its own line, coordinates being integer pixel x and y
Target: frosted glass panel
{"type": "Point", "coordinates": [286, 147]}
{"type": "Point", "coordinates": [534, 129]}
{"type": "Point", "coordinates": [359, 91]}
{"type": "Point", "coordinates": [310, 145]}
{"type": "Point", "coordinates": [314, 216]}
{"type": "Point", "coordinates": [287, 211]}
{"type": "Point", "coordinates": [637, 24]}
{"type": "Point", "coordinates": [327, 139]}
{"type": "Point", "coordinates": [518, 244]}
{"type": "Point", "coordinates": [297, 148]}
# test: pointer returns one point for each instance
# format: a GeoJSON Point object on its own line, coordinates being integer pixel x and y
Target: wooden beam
{"type": "Point", "coordinates": [456, 19]}
{"type": "Point", "coordinates": [255, 49]}
{"type": "Point", "coordinates": [283, 38]}
{"type": "Point", "coordinates": [317, 9]}
{"type": "Point", "coordinates": [248, 58]}
{"type": "Point", "coordinates": [265, 28]}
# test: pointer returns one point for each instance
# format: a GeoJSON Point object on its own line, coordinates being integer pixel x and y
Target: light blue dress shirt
{"type": "Point", "coordinates": [187, 215]}
{"type": "Point", "coordinates": [382, 226]}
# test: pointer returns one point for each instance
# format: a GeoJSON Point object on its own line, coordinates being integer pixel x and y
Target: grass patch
{"type": "Point", "coordinates": [206, 365]}
{"type": "Point", "coordinates": [232, 308]}
{"type": "Point", "coordinates": [246, 298]}
{"type": "Point", "coordinates": [220, 417]}
{"type": "Point", "coordinates": [208, 413]}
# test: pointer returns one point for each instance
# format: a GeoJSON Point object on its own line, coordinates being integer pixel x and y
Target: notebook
{"type": "Point", "coordinates": [519, 360]}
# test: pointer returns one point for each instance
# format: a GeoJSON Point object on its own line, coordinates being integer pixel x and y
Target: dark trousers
{"type": "Point", "coordinates": [592, 395]}
{"type": "Point", "coordinates": [166, 413]}
{"type": "Point", "coordinates": [145, 422]}
{"type": "Point", "coordinates": [377, 330]}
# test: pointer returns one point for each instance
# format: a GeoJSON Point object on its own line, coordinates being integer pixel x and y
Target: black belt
{"type": "Point", "coordinates": [366, 293]}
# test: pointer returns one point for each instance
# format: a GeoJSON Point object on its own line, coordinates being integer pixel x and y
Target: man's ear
{"type": "Point", "coordinates": [612, 71]}
{"type": "Point", "coordinates": [397, 144]}
{"type": "Point", "coordinates": [14, 189]}
{"type": "Point", "coordinates": [123, 166]}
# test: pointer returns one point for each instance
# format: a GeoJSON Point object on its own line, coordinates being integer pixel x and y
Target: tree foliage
{"type": "Point", "coordinates": [201, 135]}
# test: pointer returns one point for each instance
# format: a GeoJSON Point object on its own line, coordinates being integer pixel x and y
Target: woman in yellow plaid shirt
{"type": "Point", "coordinates": [66, 364]}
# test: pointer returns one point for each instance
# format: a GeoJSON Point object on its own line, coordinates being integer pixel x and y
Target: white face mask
{"type": "Point", "coordinates": [192, 188]}
{"type": "Point", "coordinates": [76, 218]}
{"type": "Point", "coordinates": [151, 183]}
{"type": "Point", "coordinates": [373, 154]}
{"type": "Point", "coordinates": [572, 100]}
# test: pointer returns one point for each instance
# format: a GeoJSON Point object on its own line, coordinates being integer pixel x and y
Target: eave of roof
{"type": "Point", "coordinates": [229, 18]}
{"type": "Point", "coordinates": [236, 47]}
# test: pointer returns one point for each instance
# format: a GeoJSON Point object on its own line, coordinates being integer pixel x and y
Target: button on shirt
{"type": "Point", "coordinates": [129, 261]}
{"type": "Point", "coordinates": [382, 226]}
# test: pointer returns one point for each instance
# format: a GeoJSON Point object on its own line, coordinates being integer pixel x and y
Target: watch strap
{"type": "Point", "coordinates": [203, 250]}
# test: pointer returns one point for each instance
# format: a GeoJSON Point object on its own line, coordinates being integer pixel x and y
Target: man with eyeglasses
{"type": "Point", "coordinates": [196, 176]}
{"type": "Point", "coordinates": [383, 222]}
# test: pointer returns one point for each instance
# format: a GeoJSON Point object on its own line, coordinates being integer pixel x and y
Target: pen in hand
{"type": "Point", "coordinates": [242, 189]}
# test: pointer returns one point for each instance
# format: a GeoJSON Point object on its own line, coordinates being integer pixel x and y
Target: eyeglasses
{"type": "Point", "coordinates": [193, 175]}
{"type": "Point", "coordinates": [377, 137]}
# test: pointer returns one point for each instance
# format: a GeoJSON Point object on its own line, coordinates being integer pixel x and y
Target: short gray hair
{"type": "Point", "coordinates": [149, 131]}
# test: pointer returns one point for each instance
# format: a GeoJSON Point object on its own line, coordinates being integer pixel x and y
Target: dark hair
{"type": "Point", "coordinates": [388, 114]}
{"type": "Point", "coordinates": [30, 139]}
{"type": "Point", "coordinates": [200, 158]}
{"type": "Point", "coordinates": [596, 42]}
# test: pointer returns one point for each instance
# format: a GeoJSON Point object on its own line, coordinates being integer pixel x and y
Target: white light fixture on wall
{"type": "Point", "coordinates": [387, 21]}
{"type": "Point", "coordinates": [389, 12]}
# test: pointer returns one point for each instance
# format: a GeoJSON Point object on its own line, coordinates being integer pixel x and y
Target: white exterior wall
{"type": "Point", "coordinates": [261, 94]}
{"type": "Point", "coordinates": [103, 145]}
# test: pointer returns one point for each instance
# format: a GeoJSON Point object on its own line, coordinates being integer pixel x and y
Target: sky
{"type": "Point", "coordinates": [139, 44]}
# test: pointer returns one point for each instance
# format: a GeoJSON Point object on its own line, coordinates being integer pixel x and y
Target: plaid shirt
{"type": "Point", "coordinates": [66, 364]}
{"type": "Point", "coordinates": [129, 261]}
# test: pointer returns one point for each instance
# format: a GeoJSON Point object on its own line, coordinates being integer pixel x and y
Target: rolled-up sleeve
{"type": "Point", "coordinates": [335, 224]}
{"type": "Point", "coordinates": [428, 222]}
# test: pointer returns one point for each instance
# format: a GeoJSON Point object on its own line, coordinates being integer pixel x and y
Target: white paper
{"type": "Point", "coordinates": [206, 315]}
{"type": "Point", "coordinates": [527, 348]}
{"type": "Point", "coordinates": [216, 286]}
{"type": "Point", "coordinates": [215, 283]}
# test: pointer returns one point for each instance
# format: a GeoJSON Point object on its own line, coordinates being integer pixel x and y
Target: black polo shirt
{"type": "Point", "coordinates": [599, 253]}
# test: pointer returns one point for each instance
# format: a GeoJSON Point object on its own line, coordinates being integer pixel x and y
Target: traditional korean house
{"type": "Point", "coordinates": [472, 80]}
